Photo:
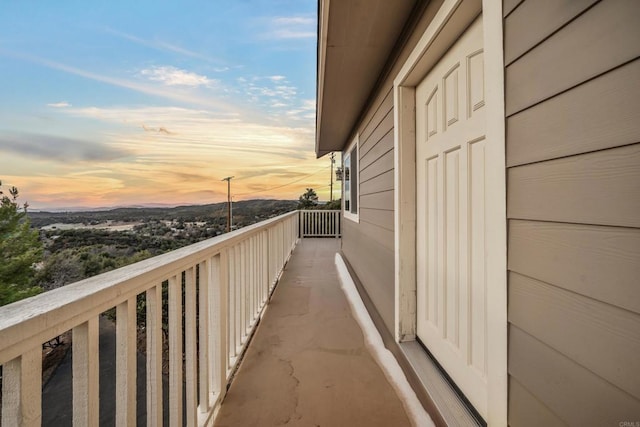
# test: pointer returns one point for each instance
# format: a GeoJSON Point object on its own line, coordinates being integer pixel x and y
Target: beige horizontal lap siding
{"type": "Point", "coordinates": [573, 156]}
{"type": "Point", "coordinates": [368, 245]}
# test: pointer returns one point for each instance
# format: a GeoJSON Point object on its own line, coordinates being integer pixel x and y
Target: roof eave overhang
{"type": "Point", "coordinates": [355, 39]}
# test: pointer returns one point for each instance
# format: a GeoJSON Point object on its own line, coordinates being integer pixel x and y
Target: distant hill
{"type": "Point", "coordinates": [258, 209]}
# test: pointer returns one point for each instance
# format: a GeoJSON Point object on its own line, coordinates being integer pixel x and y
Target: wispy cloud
{"type": "Point", "coordinates": [294, 20]}
{"type": "Point", "coordinates": [189, 131]}
{"type": "Point", "coordinates": [268, 92]}
{"type": "Point", "coordinates": [292, 27]}
{"type": "Point", "coordinates": [279, 91]}
{"type": "Point", "coordinates": [62, 104]}
{"type": "Point", "coordinates": [51, 147]}
{"type": "Point", "coordinates": [160, 45]}
{"type": "Point", "coordinates": [172, 76]}
{"type": "Point", "coordinates": [164, 91]}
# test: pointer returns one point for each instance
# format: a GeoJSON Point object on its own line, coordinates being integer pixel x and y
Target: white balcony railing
{"type": "Point", "coordinates": [226, 283]}
{"type": "Point", "coordinates": [320, 223]}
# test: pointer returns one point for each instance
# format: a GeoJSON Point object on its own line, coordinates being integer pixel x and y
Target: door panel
{"type": "Point", "coordinates": [451, 239]}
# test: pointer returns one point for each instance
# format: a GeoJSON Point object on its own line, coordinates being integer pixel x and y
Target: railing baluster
{"type": "Point", "coordinates": [244, 302]}
{"type": "Point", "coordinates": [284, 245]}
{"type": "Point", "coordinates": [22, 390]}
{"type": "Point", "coordinates": [204, 337]}
{"type": "Point", "coordinates": [326, 222]}
{"type": "Point", "coordinates": [191, 368]}
{"type": "Point", "coordinates": [257, 268]}
{"type": "Point", "coordinates": [231, 302]}
{"type": "Point", "coordinates": [85, 373]}
{"type": "Point", "coordinates": [251, 307]}
{"type": "Point", "coordinates": [175, 350]}
{"type": "Point", "coordinates": [264, 264]}
{"type": "Point", "coordinates": [281, 248]}
{"type": "Point", "coordinates": [252, 293]}
{"type": "Point", "coordinates": [272, 257]}
{"type": "Point", "coordinates": [126, 363]}
{"type": "Point", "coordinates": [154, 356]}
{"type": "Point", "coordinates": [256, 276]}
{"type": "Point", "coordinates": [220, 275]}
{"type": "Point", "coordinates": [238, 302]}
{"type": "Point", "coordinates": [307, 221]}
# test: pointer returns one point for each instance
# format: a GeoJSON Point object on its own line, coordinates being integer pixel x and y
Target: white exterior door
{"type": "Point", "coordinates": [451, 192]}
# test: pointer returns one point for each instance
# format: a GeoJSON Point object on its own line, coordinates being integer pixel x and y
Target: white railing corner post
{"type": "Point", "coordinates": [21, 390]}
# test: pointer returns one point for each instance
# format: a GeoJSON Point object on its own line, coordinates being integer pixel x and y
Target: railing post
{"type": "Point", "coordinates": [237, 308]}
{"type": "Point", "coordinates": [253, 263]}
{"type": "Point", "coordinates": [264, 282]}
{"type": "Point", "coordinates": [86, 374]}
{"type": "Point", "coordinates": [272, 256]}
{"type": "Point", "coordinates": [219, 271]}
{"type": "Point", "coordinates": [154, 355]}
{"type": "Point", "coordinates": [126, 363]}
{"type": "Point", "coordinates": [204, 337]}
{"type": "Point", "coordinates": [231, 302]}
{"type": "Point", "coordinates": [22, 390]}
{"type": "Point", "coordinates": [175, 350]}
{"type": "Point", "coordinates": [190, 347]}
{"type": "Point", "coordinates": [246, 291]}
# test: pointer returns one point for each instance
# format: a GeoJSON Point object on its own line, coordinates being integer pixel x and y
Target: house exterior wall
{"type": "Point", "coordinates": [572, 92]}
{"type": "Point", "coordinates": [368, 245]}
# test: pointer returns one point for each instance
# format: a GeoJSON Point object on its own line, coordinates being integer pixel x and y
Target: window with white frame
{"type": "Point", "coordinates": [350, 181]}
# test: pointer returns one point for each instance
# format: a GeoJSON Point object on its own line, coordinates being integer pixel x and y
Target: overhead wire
{"type": "Point", "coordinates": [284, 185]}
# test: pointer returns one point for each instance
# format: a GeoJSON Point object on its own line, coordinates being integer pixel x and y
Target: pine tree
{"type": "Point", "coordinates": [308, 200]}
{"type": "Point", "coordinates": [20, 250]}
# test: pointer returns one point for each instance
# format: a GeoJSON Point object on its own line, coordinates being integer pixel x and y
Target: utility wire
{"type": "Point", "coordinates": [284, 185]}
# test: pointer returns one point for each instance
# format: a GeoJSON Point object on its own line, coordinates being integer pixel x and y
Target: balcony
{"type": "Point", "coordinates": [306, 365]}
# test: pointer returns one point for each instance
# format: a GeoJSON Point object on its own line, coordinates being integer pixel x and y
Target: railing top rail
{"type": "Point", "coordinates": [60, 309]}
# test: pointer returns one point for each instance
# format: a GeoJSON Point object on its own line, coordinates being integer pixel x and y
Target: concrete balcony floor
{"type": "Point", "coordinates": [308, 364]}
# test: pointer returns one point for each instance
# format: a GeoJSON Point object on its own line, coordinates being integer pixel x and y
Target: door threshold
{"type": "Point", "coordinates": [445, 397]}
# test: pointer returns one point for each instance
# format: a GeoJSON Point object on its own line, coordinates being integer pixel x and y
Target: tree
{"type": "Point", "coordinates": [333, 205]}
{"type": "Point", "coordinates": [308, 200]}
{"type": "Point", "coordinates": [20, 250]}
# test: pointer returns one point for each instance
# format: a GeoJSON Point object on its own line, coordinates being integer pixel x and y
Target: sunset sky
{"type": "Point", "coordinates": [117, 103]}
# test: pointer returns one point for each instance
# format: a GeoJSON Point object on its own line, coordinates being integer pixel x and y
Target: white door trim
{"type": "Point", "coordinates": [451, 20]}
